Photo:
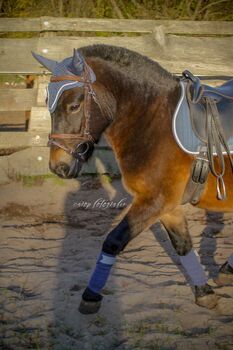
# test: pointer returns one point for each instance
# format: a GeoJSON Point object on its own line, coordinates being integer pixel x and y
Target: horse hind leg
{"type": "Point", "coordinates": [176, 225]}
{"type": "Point", "coordinates": [225, 275]}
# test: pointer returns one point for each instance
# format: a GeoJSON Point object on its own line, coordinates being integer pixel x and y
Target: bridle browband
{"type": "Point", "coordinates": [85, 134]}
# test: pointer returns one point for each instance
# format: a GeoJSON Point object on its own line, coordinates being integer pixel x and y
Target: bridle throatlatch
{"type": "Point", "coordinates": [82, 148]}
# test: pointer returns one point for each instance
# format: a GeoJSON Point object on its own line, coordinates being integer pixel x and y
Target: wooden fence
{"type": "Point", "coordinates": [205, 48]}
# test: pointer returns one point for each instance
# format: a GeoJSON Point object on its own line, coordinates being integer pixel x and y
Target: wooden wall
{"type": "Point", "coordinates": [205, 48]}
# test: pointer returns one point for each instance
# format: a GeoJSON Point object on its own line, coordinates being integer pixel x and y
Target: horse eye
{"type": "Point", "coordinates": [75, 107]}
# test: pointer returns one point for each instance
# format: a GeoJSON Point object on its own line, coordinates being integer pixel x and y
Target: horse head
{"type": "Point", "coordinates": [74, 100]}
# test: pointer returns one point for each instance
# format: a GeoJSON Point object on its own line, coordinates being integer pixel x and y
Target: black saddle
{"type": "Point", "coordinates": [211, 114]}
{"type": "Point", "coordinates": [197, 94]}
{"type": "Point", "coordinates": [223, 91]}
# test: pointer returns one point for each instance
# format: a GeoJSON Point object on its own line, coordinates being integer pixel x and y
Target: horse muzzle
{"type": "Point", "coordinates": [80, 154]}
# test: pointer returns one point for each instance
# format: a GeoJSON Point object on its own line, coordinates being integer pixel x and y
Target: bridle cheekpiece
{"type": "Point", "coordinates": [85, 134]}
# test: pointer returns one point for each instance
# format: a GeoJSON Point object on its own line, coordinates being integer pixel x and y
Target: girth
{"type": "Point", "coordinates": [211, 114]}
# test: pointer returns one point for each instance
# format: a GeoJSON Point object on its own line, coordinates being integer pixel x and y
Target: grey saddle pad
{"type": "Point", "coordinates": [182, 127]}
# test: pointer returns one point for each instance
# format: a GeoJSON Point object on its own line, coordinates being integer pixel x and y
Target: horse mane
{"type": "Point", "coordinates": [132, 65]}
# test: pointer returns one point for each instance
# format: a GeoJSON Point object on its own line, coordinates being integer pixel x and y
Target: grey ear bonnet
{"type": "Point", "coordinates": [69, 66]}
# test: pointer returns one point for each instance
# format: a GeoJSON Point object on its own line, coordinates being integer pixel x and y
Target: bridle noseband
{"type": "Point", "coordinates": [85, 134]}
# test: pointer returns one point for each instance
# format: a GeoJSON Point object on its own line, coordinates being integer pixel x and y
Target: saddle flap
{"type": "Point", "coordinates": [189, 122]}
{"type": "Point", "coordinates": [198, 115]}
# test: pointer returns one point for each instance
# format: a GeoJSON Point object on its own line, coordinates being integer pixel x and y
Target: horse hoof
{"type": "Point", "coordinates": [90, 303]}
{"type": "Point", "coordinates": [89, 307]}
{"type": "Point", "coordinates": [208, 301]}
{"type": "Point", "coordinates": [225, 275]}
{"type": "Point", "coordinates": [205, 296]}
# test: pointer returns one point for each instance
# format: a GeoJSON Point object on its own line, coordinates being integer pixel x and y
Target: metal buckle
{"type": "Point", "coordinates": [221, 189]}
{"type": "Point", "coordinates": [80, 155]}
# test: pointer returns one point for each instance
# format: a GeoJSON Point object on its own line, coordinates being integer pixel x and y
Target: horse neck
{"type": "Point", "coordinates": [132, 100]}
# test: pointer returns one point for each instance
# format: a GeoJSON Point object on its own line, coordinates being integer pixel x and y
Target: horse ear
{"type": "Point", "coordinates": [46, 62]}
{"type": "Point", "coordinates": [78, 62]}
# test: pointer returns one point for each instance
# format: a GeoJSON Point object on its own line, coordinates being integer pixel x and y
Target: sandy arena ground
{"type": "Point", "coordinates": [51, 234]}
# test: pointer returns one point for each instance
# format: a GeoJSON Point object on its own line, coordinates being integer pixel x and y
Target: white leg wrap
{"type": "Point", "coordinates": [191, 264]}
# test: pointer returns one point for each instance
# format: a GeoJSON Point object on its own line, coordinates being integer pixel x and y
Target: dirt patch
{"type": "Point", "coordinates": [51, 234]}
{"type": "Point", "coordinates": [12, 210]}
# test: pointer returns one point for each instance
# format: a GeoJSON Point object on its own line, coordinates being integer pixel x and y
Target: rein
{"type": "Point", "coordinates": [85, 134]}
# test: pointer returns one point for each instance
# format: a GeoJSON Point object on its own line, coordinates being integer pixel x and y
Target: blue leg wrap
{"type": "Point", "coordinates": [101, 272]}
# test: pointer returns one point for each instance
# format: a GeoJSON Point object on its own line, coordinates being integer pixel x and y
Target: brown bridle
{"type": "Point", "coordinates": [85, 134]}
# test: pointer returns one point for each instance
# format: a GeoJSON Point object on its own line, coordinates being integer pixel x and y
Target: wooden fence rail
{"type": "Point", "coordinates": [205, 48]}
{"type": "Point", "coordinates": [45, 24]}
{"type": "Point", "coordinates": [204, 56]}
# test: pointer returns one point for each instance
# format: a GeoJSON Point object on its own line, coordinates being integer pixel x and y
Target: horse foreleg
{"type": "Point", "coordinates": [177, 227]}
{"type": "Point", "coordinates": [141, 215]}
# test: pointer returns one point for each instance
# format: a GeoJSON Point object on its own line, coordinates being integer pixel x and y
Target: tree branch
{"type": "Point", "coordinates": [194, 16]}
{"type": "Point", "coordinates": [211, 4]}
{"type": "Point", "coordinates": [116, 9]}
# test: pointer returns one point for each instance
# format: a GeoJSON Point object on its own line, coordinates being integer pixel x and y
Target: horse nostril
{"type": "Point", "coordinates": [62, 170]}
